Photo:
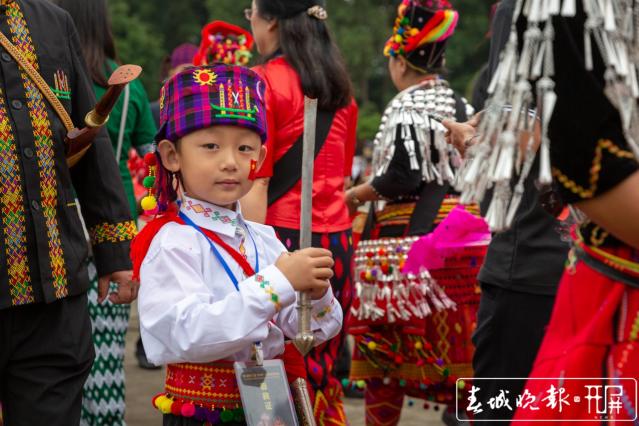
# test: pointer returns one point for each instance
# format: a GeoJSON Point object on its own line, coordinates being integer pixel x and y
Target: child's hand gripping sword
{"type": "Point", "coordinates": [304, 339]}
{"type": "Point", "coordinates": [78, 141]}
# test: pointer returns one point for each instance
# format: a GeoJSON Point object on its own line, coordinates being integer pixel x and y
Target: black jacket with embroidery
{"type": "Point", "coordinates": [43, 249]}
{"type": "Point", "coordinates": [589, 152]}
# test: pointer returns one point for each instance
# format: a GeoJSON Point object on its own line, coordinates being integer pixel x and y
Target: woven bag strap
{"type": "Point", "coordinates": [38, 81]}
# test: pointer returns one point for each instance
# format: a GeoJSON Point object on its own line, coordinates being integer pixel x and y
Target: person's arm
{"type": "Point", "coordinates": [360, 194]}
{"type": "Point", "coordinates": [399, 178]}
{"type": "Point", "coordinates": [617, 210]}
{"type": "Point", "coordinates": [593, 164]}
{"type": "Point", "coordinates": [326, 318]}
{"type": "Point", "coordinates": [96, 179]}
{"type": "Point", "coordinates": [180, 315]}
{"type": "Point", "coordinates": [464, 135]}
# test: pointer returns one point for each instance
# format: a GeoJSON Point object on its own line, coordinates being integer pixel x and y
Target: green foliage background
{"type": "Point", "coordinates": [147, 30]}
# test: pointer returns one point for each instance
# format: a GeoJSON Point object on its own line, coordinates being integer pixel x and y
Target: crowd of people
{"type": "Point", "coordinates": [486, 261]}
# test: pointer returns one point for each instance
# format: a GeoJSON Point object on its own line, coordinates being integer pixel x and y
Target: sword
{"type": "Point", "coordinates": [304, 339]}
{"type": "Point", "coordinates": [78, 141]}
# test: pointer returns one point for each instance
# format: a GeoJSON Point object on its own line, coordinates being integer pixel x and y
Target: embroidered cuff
{"type": "Point", "coordinates": [276, 286]}
{"type": "Point", "coordinates": [323, 307]}
{"type": "Point", "coordinates": [113, 233]}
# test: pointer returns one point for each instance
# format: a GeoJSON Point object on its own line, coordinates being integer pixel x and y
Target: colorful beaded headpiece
{"type": "Point", "coordinates": [224, 43]}
{"type": "Point", "coordinates": [420, 23]}
{"type": "Point", "coordinates": [199, 98]}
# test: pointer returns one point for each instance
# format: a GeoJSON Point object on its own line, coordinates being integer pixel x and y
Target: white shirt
{"type": "Point", "coordinates": [189, 308]}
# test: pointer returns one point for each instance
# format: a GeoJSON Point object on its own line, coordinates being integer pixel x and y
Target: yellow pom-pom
{"type": "Point", "coordinates": [361, 384]}
{"type": "Point", "coordinates": [461, 384]}
{"type": "Point", "coordinates": [419, 345]}
{"type": "Point", "coordinates": [165, 405]}
{"type": "Point", "coordinates": [157, 402]}
{"type": "Point", "coordinates": [398, 39]}
{"type": "Point", "coordinates": [149, 202]}
{"type": "Point", "coordinates": [372, 346]}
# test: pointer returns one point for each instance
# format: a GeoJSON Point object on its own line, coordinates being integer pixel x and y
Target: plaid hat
{"type": "Point", "coordinates": [207, 96]}
{"type": "Point", "coordinates": [183, 54]}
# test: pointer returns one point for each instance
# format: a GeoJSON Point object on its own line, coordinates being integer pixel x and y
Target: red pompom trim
{"type": "Point", "coordinates": [176, 408]}
{"type": "Point", "coordinates": [188, 410]}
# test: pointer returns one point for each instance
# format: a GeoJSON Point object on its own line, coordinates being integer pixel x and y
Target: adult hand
{"type": "Point", "coordinates": [352, 202]}
{"type": "Point", "coordinates": [127, 288]}
{"type": "Point", "coordinates": [461, 135]}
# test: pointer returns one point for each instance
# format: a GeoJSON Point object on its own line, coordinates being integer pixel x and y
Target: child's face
{"type": "Point", "coordinates": [215, 162]}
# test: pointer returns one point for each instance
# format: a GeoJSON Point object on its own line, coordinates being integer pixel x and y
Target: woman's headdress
{"type": "Point", "coordinates": [421, 30]}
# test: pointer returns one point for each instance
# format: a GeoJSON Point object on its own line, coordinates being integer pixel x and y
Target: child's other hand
{"type": "Point", "coordinates": [308, 270]}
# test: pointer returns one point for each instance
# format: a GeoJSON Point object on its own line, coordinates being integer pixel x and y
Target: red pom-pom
{"type": "Point", "coordinates": [399, 359]}
{"type": "Point", "coordinates": [149, 159]}
{"type": "Point", "coordinates": [428, 346]}
{"type": "Point", "coordinates": [188, 410]}
{"type": "Point", "coordinates": [176, 408]}
{"type": "Point", "coordinates": [362, 275]}
{"type": "Point", "coordinates": [420, 363]}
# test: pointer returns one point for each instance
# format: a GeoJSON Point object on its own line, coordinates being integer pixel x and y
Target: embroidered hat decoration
{"type": "Point", "coordinates": [206, 96]}
{"type": "Point", "coordinates": [421, 30]}
{"type": "Point", "coordinates": [224, 43]}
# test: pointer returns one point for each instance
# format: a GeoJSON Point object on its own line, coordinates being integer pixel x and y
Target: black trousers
{"type": "Point", "coordinates": [46, 354]}
{"type": "Point", "coordinates": [510, 328]}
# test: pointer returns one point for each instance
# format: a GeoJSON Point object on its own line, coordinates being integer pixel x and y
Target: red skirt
{"type": "Point", "coordinates": [593, 333]}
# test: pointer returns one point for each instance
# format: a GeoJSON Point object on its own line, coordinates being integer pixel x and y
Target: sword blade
{"type": "Point", "coordinates": [304, 339]}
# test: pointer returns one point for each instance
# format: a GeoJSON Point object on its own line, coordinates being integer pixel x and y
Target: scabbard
{"type": "Point", "coordinates": [303, 404]}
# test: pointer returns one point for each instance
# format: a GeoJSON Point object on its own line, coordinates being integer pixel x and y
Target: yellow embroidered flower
{"type": "Point", "coordinates": [204, 77]}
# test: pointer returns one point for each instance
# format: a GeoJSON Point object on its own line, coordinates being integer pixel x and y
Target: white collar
{"type": "Point", "coordinates": [212, 217]}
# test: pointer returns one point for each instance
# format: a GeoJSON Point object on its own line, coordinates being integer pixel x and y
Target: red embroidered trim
{"type": "Point", "coordinates": [211, 385]}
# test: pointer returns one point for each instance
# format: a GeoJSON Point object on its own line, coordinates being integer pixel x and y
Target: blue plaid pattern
{"type": "Point", "coordinates": [206, 96]}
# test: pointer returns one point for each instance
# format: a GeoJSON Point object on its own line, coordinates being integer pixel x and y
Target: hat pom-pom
{"type": "Point", "coordinates": [188, 410]}
{"type": "Point", "coordinates": [176, 408]}
{"type": "Point", "coordinates": [149, 203]}
{"type": "Point", "coordinates": [149, 159]}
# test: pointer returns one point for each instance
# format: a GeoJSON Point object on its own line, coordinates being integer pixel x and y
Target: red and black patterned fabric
{"type": "Point", "coordinates": [321, 361]}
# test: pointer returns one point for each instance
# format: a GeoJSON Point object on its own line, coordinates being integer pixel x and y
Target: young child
{"type": "Point", "coordinates": [213, 284]}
